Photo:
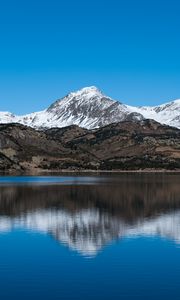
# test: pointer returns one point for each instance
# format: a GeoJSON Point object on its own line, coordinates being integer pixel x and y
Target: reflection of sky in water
{"type": "Point", "coordinates": [49, 180]}
{"type": "Point", "coordinates": [36, 267]}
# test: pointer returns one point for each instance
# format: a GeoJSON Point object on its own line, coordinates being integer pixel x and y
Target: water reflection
{"type": "Point", "coordinates": [87, 217]}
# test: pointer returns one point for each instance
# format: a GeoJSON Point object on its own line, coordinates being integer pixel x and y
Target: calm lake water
{"type": "Point", "coordinates": [96, 237]}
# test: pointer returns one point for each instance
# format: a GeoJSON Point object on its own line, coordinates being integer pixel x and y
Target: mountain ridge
{"type": "Point", "coordinates": [90, 108]}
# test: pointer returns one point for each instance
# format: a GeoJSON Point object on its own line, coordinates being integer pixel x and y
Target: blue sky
{"type": "Point", "coordinates": [129, 49]}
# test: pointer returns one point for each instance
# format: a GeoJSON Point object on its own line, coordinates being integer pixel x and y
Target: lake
{"type": "Point", "coordinates": [90, 237]}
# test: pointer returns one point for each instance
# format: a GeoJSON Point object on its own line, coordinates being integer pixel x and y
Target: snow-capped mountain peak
{"type": "Point", "coordinates": [91, 108]}
{"type": "Point", "coordinates": [86, 95]}
{"type": "Point", "coordinates": [90, 92]}
{"type": "Point", "coordinates": [88, 108]}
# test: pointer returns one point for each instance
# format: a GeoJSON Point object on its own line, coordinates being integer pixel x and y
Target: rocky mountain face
{"type": "Point", "coordinates": [90, 108]}
{"type": "Point", "coordinates": [120, 146]}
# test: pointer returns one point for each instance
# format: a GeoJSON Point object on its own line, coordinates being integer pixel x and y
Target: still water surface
{"type": "Point", "coordinates": [110, 237]}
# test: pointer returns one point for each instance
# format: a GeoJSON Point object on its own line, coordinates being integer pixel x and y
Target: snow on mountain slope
{"type": "Point", "coordinates": [6, 117]}
{"type": "Point", "coordinates": [90, 108]}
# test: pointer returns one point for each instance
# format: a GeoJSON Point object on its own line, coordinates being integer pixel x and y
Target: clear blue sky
{"type": "Point", "coordinates": [130, 49]}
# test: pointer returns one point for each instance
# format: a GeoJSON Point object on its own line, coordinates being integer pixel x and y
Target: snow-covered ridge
{"type": "Point", "coordinates": [90, 108]}
{"type": "Point", "coordinates": [168, 113]}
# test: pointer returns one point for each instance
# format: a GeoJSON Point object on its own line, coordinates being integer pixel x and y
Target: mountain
{"type": "Point", "coordinates": [125, 145]}
{"type": "Point", "coordinates": [90, 108]}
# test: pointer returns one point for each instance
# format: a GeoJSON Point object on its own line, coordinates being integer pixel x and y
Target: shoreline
{"type": "Point", "coordinates": [79, 172]}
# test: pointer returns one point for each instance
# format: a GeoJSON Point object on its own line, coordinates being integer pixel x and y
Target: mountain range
{"type": "Point", "coordinates": [90, 108]}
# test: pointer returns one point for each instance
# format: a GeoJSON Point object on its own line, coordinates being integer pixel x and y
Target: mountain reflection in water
{"type": "Point", "coordinates": [89, 216]}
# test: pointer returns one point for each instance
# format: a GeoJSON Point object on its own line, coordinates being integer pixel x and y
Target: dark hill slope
{"type": "Point", "coordinates": [125, 145]}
